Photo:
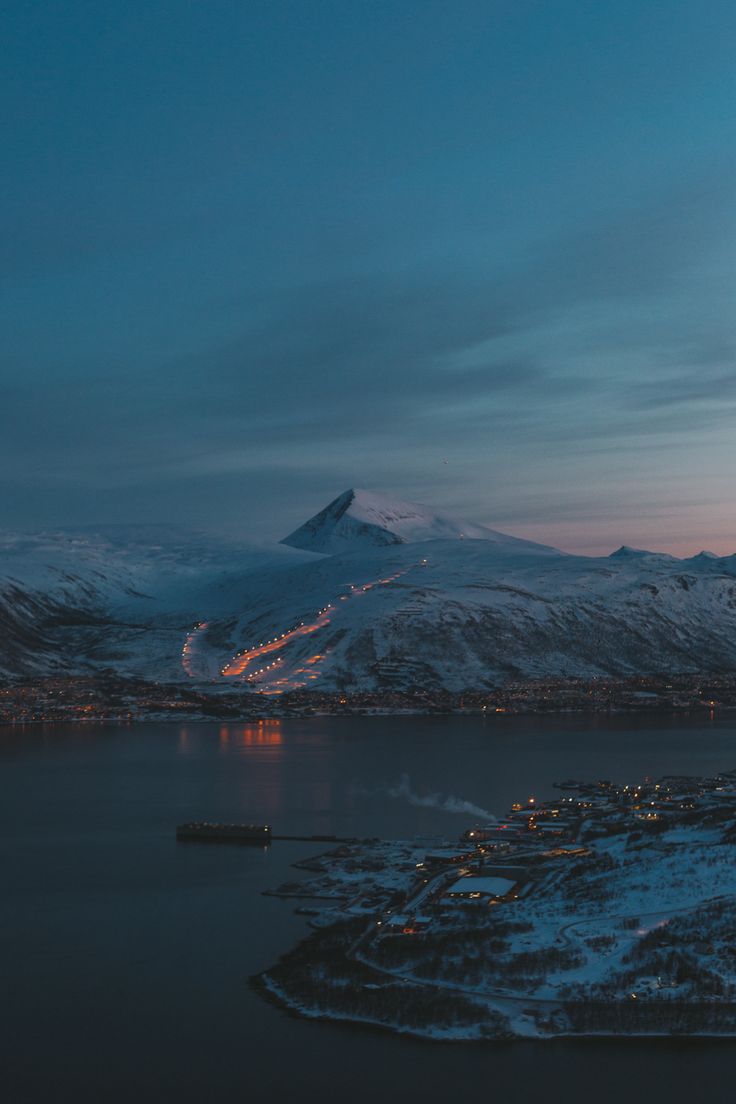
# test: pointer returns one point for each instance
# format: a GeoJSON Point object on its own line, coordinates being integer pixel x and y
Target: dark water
{"type": "Point", "coordinates": [124, 958]}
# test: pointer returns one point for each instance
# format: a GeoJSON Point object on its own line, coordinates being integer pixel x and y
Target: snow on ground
{"type": "Point", "coordinates": [631, 931]}
{"type": "Point", "coordinates": [363, 519]}
{"type": "Point", "coordinates": [422, 600]}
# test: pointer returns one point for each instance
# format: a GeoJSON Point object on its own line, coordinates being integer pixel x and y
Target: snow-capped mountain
{"type": "Point", "coordinates": [470, 614]}
{"type": "Point", "coordinates": [363, 519]}
{"type": "Point", "coordinates": [404, 602]}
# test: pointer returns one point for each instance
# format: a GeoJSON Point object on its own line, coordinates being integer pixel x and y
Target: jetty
{"type": "Point", "coordinates": [209, 831]}
{"type": "Point", "coordinates": [213, 832]}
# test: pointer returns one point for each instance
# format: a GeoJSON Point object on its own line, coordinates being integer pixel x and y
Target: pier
{"type": "Point", "coordinates": [211, 832]}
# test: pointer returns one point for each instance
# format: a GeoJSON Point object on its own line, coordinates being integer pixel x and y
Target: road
{"type": "Point", "coordinates": [190, 648]}
{"type": "Point", "coordinates": [244, 662]}
{"type": "Point", "coordinates": [500, 998]}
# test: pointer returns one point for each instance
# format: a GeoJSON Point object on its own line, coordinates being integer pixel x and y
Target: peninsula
{"type": "Point", "coordinates": [610, 910]}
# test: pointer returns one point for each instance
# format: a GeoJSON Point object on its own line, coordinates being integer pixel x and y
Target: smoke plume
{"type": "Point", "coordinates": [446, 804]}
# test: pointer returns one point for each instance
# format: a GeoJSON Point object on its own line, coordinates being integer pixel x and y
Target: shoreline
{"type": "Point", "coordinates": [276, 996]}
{"type": "Point", "coordinates": [606, 912]}
{"type": "Point", "coordinates": [659, 711]}
{"type": "Point", "coordinates": [109, 697]}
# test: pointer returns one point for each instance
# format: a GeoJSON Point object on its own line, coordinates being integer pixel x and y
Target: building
{"type": "Point", "coordinates": [480, 888]}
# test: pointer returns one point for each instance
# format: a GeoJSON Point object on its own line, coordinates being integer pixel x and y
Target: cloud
{"type": "Point", "coordinates": [593, 347]}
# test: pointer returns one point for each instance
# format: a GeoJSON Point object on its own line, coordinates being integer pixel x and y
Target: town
{"type": "Point", "coordinates": [107, 695]}
{"type": "Point", "coordinates": [610, 909]}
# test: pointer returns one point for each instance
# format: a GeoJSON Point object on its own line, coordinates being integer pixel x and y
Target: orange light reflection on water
{"type": "Point", "coordinates": [265, 733]}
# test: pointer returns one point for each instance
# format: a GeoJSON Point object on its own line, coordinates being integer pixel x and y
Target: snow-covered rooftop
{"type": "Point", "coordinates": [487, 887]}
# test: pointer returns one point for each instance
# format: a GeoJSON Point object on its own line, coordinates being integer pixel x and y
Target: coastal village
{"type": "Point", "coordinates": [610, 909]}
{"type": "Point", "coordinates": [107, 695]}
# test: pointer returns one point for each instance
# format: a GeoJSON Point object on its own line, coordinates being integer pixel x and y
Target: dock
{"type": "Point", "coordinates": [207, 831]}
{"type": "Point", "coordinates": [320, 839]}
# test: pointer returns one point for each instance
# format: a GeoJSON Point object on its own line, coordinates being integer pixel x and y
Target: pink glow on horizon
{"type": "Point", "coordinates": [592, 538]}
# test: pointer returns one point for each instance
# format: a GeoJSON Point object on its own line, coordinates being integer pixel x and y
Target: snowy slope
{"type": "Point", "coordinates": [362, 519]}
{"type": "Point", "coordinates": [398, 608]}
{"type": "Point", "coordinates": [471, 614]}
{"type": "Point", "coordinates": [76, 600]}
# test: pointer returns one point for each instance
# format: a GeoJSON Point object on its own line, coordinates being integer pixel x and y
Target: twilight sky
{"type": "Point", "coordinates": [255, 252]}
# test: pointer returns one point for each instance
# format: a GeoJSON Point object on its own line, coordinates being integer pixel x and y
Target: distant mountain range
{"type": "Point", "coordinates": [370, 593]}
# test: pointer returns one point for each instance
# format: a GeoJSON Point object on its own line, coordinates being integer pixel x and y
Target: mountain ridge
{"type": "Point", "coordinates": [410, 597]}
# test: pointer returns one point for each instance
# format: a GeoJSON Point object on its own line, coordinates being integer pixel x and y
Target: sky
{"type": "Point", "coordinates": [475, 254]}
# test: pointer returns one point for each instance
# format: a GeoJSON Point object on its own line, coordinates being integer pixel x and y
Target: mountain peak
{"type": "Point", "coordinates": [626, 550]}
{"type": "Point", "coordinates": [358, 518]}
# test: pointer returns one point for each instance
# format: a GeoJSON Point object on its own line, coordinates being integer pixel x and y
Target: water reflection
{"type": "Point", "coordinates": [185, 741]}
{"type": "Point", "coordinates": [263, 733]}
